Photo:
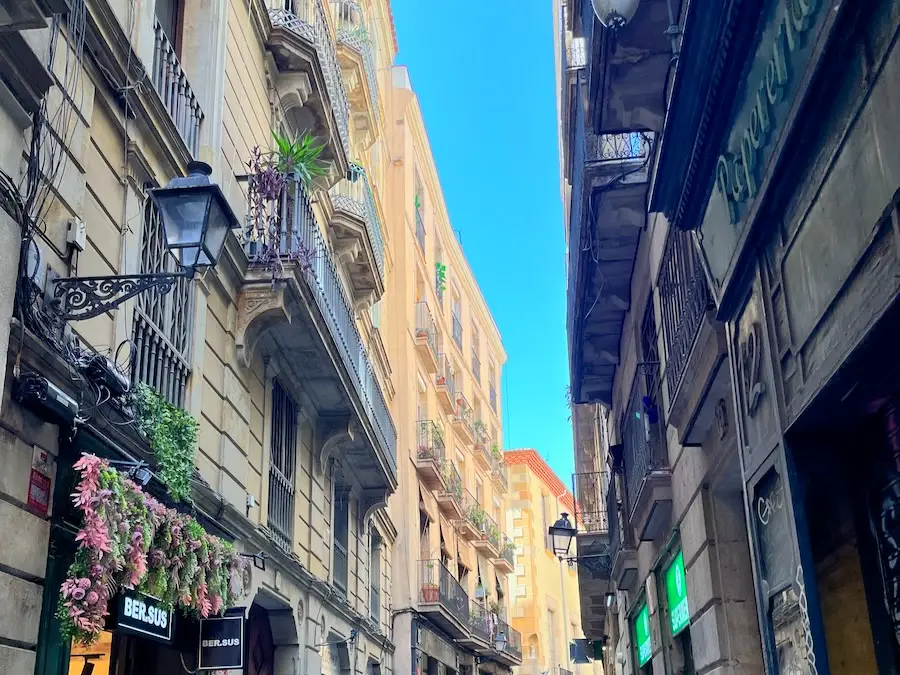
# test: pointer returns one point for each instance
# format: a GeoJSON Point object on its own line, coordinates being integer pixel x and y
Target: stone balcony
{"type": "Point", "coordinates": [292, 309]}
{"type": "Point", "coordinates": [357, 235]}
{"type": "Point", "coordinates": [308, 80]}
{"type": "Point", "coordinates": [356, 55]}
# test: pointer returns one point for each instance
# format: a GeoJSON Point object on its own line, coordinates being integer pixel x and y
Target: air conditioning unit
{"type": "Point", "coordinates": [24, 14]}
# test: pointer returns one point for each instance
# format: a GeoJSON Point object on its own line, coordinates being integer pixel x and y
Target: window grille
{"type": "Point", "coordinates": [341, 534]}
{"type": "Point", "coordinates": [282, 466]}
{"type": "Point", "coordinates": [375, 572]}
{"type": "Point", "coordinates": [162, 322]}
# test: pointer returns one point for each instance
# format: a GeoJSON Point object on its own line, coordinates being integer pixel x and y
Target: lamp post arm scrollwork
{"type": "Point", "coordinates": [77, 298]}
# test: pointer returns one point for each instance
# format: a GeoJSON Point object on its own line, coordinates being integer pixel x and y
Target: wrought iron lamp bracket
{"type": "Point", "coordinates": [77, 298]}
{"type": "Point", "coordinates": [598, 563]}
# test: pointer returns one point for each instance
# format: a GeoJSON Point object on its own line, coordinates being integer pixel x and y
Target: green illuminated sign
{"type": "Point", "coordinates": [676, 594]}
{"type": "Point", "coordinates": [642, 635]}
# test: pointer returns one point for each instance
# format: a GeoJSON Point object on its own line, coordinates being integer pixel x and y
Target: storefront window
{"type": "Point", "coordinates": [94, 659]}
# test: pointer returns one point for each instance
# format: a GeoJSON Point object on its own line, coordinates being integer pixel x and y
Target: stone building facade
{"type": "Point", "coordinates": [732, 289]}
{"type": "Point", "coordinates": [297, 377]}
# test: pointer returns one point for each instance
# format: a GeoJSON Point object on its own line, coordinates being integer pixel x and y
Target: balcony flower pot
{"type": "Point", "coordinates": [431, 593]}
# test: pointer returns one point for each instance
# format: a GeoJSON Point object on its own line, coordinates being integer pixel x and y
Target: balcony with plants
{"type": "Point", "coordinates": [469, 526]}
{"type": "Point", "coordinates": [301, 43]}
{"type": "Point", "coordinates": [445, 384]}
{"type": "Point", "coordinates": [430, 454]}
{"type": "Point", "coordinates": [356, 234]}
{"type": "Point", "coordinates": [499, 472]}
{"type": "Point", "coordinates": [482, 442]}
{"type": "Point", "coordinates": [440, 281]}
{"type": "Point", "coordinates": [511, 654]}
{"type": "Point", "coordinates": [505, 563]}
{"type": "Point", "coordinates": [463, 420]}
{"type": "Point", "coordinates": [489, 539]}
{"type": "Point", "coordinates": [443, 600]}
{"type": "Point", "coordinates": [292, 300]}
{"type": "Point", "coordinates": [356, 54]}
{"type": "Point", "coordinates": [426, 337]}
{"type": "Point", "coordinates": [450, 497]}
{"type": "Point", "coordinates": [480, 624]}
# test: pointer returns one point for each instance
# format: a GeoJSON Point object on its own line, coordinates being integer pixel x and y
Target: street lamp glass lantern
{"type": "Point", "coordinates": [562, 533]}
{"type": "Point", "coordinates": [196, 217]}
{"type": "Point", "coordinates": [615, 13]}
{"type": "Point", "coordinates": [500, 640]}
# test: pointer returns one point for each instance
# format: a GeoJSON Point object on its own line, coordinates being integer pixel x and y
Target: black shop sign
{"type": "Point", "coordinates": [144, 616]}
{"type": "Point", "coordinates": [222, 643]}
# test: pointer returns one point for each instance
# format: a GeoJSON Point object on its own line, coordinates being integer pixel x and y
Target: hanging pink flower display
{"type": "Point", "coordinates": [129, 540]}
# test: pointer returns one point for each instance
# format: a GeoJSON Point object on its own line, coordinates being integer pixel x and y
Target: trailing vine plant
{"type": "Point", "coordinates": [129, 540]}
{"type": "Point", "coordinates": [271, 203]}
{"type": "Point", "coordinates": [172, 433]}
{"type": "Point", "coordinates": [440, 270]}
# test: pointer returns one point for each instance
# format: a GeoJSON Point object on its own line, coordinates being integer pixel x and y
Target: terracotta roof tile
{"type": "Point", "coordinates": [540, 468]}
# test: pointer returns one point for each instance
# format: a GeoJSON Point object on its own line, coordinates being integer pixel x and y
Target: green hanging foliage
{"type": "Point", "coordinates": [172, 433]}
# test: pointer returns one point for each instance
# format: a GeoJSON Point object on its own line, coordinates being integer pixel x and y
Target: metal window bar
{"type": "Point", "coordinates": [684, 300]}
{"type": "Point", "coordinates": [282, 466]}
{"type": "Point", "coordinates": [591, 502]}
{"type": "Point", "coordinates": [613, 509]}
{"type": "Point", "coordinates": [492, 395]}
{"type": "Point", "coordinates": [632, 146]}
{"type": "Point", "coordinates": [340, 540]}
{"type": "Point", "coordinates": [426, 327]}
{"type": "Point", "coordinates": [476, 365]}
{"type": "Point", "coordinates": [420, 230]}
{"type": "Point", "coordinates": [353, 32]}
{"type": "Point", "coordinates": [309, 20]}
{"type": "Point", "coordinates": [643, 430]}
{"type": "Point", "coordinates": [457, 330]}
{"type": "Point", "coordinates": [576, 54]}
{"type": "Point", "coordinates": [301, 240]}
{"type": "Point", "coordinates": [501, 472]}
{"type": "Point", "coordinates": [430, 443]}
{"type": "Point", "coordinates": [438, 586]}
{"type": "Point", "coordinates": [375, 551]}
{"type": "Point", "coordinates": [354, 195]}
{"type": "Point", "coordinates": [445, 375]}
{"type": "Point", "coordinates": [162, 322]}
{"type": "Point", "coordinates": [173, 88]}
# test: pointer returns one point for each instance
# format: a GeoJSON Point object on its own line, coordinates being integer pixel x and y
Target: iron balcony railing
{"type": "Point", "coordinates": [420, 230]}
{"type": "Point", "coordinates": [173, 88]}
{"type": "Point", "coordinates": [431, 443]}
{"type": "Point", "coordinates": [299, 238]}
{"type": "Point", "coordinates": [464, 411]}
{"type": "Point", "coordinates": [445, 375]}
{"type": "Point", "coordinates": [643, 430]}
{"type": "Point", "coordinates": [474, 513]}
{"type": "Point", "coordinates": [439, 283]}
{"type": "Point", "coordinates": [500, 471]}
{"type": "Point", "coordinates": [457, 330]}
{"type": "Point", "coordinates": [508, 551]}
{"type": "Point", "coordinates": [453, 484]}
{"type": "Point", "coordinates": [490, 530]}
{"type": "Point", "coordinates": [354, 195]}
{"type": "Point", "coordinates": [576, 54]}
{"type": "Point", "coordinates": [353, 32]}
{"type": "Point", "coordinates": [426, 327]}
{"type": "Point", "coordinates": [438, 587]}
{"type": "Point", "coordinates": [476, 365]}
{"type": "Point", "coordinates": [590, 500]}
{"type": "Point", "coordinates": [309, 20]}
{"type": "Point", "coordinates": [684, 300]}
{"type": "Point", "coordinates": [618, 147]}
{"type": "Point", "coordinates": [492, 395]}
{"type": "Point", "coordinates": [479, 621]}
{"type": "Point", "coordinates": [513, 638]}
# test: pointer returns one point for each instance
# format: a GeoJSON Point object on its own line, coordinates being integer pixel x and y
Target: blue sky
{"type": "Point", "coordinates": [484, 75]}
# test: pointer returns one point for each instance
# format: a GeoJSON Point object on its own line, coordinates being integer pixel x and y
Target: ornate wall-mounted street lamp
{"type": "Point", "coordinates": [500, 640]}
{"type": "Point", "coordinates": [615, 13]}
{"type": "Point", "coordinates": [562, 533]}
{"type": "Point", "coordinates": [196, 219]}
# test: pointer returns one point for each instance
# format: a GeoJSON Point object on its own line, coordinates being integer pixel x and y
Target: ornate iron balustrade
{"type": "Point", "coordinates": [684, 300]}
{"type": "Point", "coordinates": [457, 330]}
{"type": "Point", "coordinates": [453, 484]}
{"type": "Point", "coordinates": [426, 327]}
{"type": "Point", "coordinates": [420, 230]}
{"type": "Point", "coordinates": [173, 88]}
{"type": "Point", "coordinates": [353, 33]}
{"type": "Point", "coordinates": [576, 54]}
{"type": "Point", "coordinates": [309, 20]}
{"type": "Point", "coordinates": [591, 502]}
{"type": "Point", "coordinates": [643, 429]}
{"type": "Point", "coordinates": [479, 621]}
{"type": "Point", "coordinates": [632, 146]}
{"type": "Point", "coordinates": [301, 239]}
{"type": "Point", "coordinates": [354, 195]}
{"type": "Point", "coordinates": [438, 587]}
{"type": "Point", "coordinates": [431, 442]}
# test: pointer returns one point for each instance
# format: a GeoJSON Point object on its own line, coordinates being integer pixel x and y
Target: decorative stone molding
{"type": "Point", "coordinates": [751, 367]}
{"type": "Point", "coordinates": [259, 308]}
{"type": "Point", "coordinates": [333, 431]}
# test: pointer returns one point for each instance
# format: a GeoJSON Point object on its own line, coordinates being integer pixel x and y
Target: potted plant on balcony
{"type": "Point", "coordinates": [440, 275]}
{"type": "Point", "coordinates": [431, 592]}
{"type": "Point", "coordinates": [496, 452]}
